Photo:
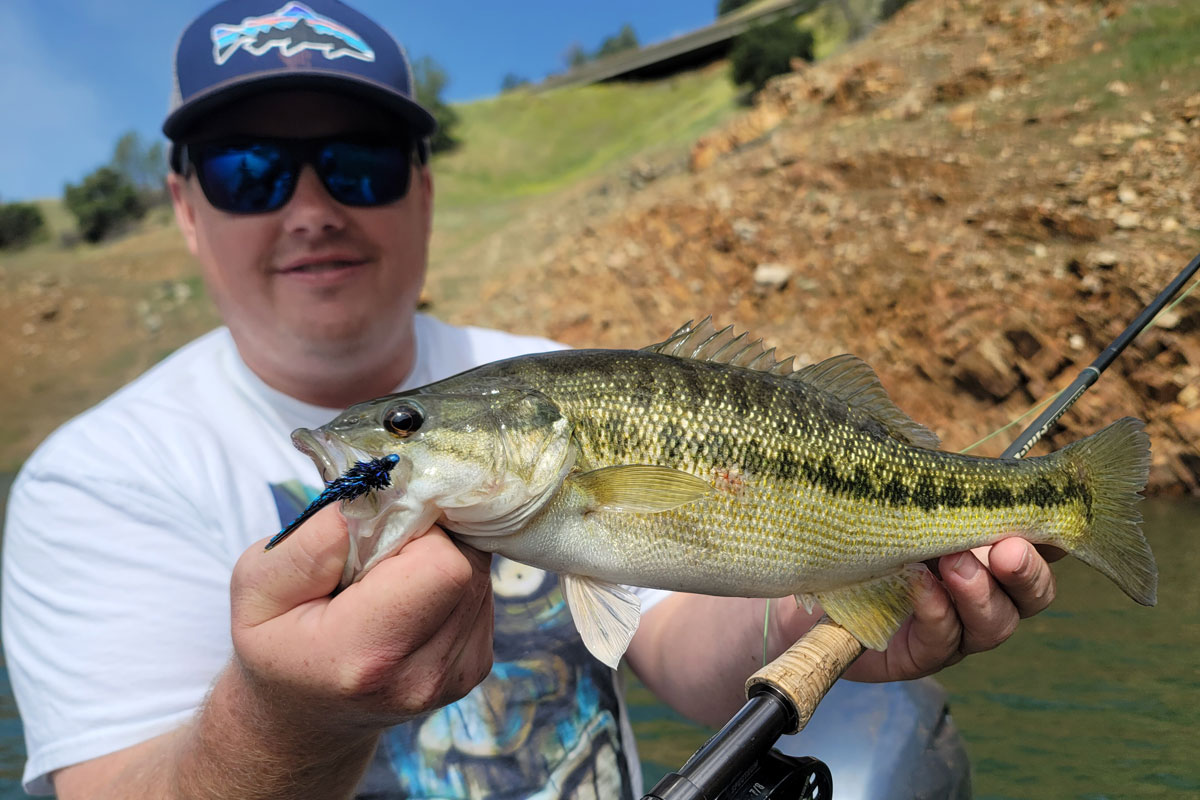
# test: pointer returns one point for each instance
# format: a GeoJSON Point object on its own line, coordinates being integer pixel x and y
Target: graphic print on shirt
{"type": "Point", "coordinates": [544, 724]}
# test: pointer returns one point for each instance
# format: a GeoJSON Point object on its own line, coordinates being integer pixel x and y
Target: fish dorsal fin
{"type": "Point", "coordinates": [852, 380]}
{"type": "Point", "coordinates": [606, 615]}
{"type": "Point", "coordinates": [846, 377]}
{"type": "Point", "coordinates": [703, 342]}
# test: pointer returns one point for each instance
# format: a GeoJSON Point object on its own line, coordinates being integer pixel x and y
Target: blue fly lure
{"type": "Point", "coordinates": [363, 477]}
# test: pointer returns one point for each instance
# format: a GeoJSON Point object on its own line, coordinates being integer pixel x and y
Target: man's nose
{"type": "Point", "coordinates": [312, 209]}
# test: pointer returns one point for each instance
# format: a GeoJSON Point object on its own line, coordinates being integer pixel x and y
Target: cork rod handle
{"type": "Point", "coordinates": [809, 668]}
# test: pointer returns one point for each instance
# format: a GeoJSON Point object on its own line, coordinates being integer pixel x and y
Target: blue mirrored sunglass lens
{"type": "Point", "coordinates": [362, 174]}
{"type": "Point", "coordinates": [246, 179]}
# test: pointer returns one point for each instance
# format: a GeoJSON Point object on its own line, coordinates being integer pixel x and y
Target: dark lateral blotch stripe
{"type": "Point", "coordinates": [863, 482]}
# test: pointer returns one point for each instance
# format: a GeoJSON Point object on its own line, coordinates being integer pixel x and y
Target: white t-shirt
{"type": "Point", "coordinates": [123, 529]}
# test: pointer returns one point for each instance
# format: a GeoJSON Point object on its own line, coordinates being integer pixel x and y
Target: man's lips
{"type": "Point", "coordinates": [315, 265]}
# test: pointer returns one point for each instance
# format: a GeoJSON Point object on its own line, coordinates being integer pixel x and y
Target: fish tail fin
{"type": "Point", "coordinates": [1116, 463]}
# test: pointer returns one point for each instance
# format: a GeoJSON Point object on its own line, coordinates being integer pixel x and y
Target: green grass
{"type": "Point", "coordinates": [1153, 41]}
{"type": "Point", "coordinates": [518, 149]}
{"type": "Point", "coordinates": [526, 143]}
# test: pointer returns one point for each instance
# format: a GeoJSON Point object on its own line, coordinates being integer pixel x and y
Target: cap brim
{"type": "Point", "coordinates": [187, 115]}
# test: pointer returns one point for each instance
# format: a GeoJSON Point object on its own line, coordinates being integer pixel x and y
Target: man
{"type": "Point", "coordinates": [157, 651]}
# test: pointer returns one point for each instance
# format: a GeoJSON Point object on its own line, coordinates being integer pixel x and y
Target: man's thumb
{"type": "Point", "coordinates": [304, 567]}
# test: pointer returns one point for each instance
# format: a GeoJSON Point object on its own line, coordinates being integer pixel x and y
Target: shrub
{"type": "Point", "coordinates": [429, 79]}
{"type": "Point", "coordinates": [725, 6]}
{"type": "Point", "coordinates": [102, 203]}
{"type": "Point", "coordinates": [19, 223]}
{"type": "Point", "coordinates": [889, 8]}
{"type": "Point", "coordinates": [765, 51]}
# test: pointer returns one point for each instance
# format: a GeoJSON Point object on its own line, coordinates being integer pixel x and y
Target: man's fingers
{"type": "Point", "coordinates": [988, 615]}
{"type": "Point", "coordinates": [932, 637]}
{"type": "Point", "coordinates": [1024, 574]}
{"type": "Point", "coordinates": [305, 566]}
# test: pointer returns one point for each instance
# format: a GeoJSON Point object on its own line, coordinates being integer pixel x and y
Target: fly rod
{"type": "Point", "coordinates": [738, 761]}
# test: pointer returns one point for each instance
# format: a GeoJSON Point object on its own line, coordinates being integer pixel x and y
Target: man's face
{"type": "Point", "coordinates": [316, 280]}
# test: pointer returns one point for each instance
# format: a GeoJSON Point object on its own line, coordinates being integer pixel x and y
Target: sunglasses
{"type": "Point", "coordinates": [259, 175]}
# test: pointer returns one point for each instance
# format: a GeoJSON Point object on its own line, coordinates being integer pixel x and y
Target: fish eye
{"type": "Point", "coordinates": [403, 420]}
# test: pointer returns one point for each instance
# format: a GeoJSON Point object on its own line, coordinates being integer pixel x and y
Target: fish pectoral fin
{"type": "Point", "coordinates": [874, 610]}
{"type": "Point", "coordinates": [606, 615]}
{"type": "Point", "coordinates": [639, 488]}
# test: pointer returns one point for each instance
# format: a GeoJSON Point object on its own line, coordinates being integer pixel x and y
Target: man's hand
{"type": "Point", "coordinates": [314, 678]}
{"type": "Point", "coordinates": [413, 635]}
{"type": "Point", "coordinates": [975, 606]}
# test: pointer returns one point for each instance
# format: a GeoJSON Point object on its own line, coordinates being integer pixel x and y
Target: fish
{"type": "Point", "coordinates": [705, 464]}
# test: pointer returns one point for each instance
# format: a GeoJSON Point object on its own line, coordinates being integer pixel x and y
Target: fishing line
{"type": "Point", "coordinates": [1092, 371]}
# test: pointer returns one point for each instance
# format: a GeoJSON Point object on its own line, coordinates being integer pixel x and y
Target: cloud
{"type": "Point", "coordinates": [54, 120]}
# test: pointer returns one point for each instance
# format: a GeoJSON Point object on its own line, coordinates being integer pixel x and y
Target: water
{"type": "Point", "coordinates": [1096, 699]}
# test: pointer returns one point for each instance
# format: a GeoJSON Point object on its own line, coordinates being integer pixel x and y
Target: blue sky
{"type": "Point", "coordinates": [76, 74]}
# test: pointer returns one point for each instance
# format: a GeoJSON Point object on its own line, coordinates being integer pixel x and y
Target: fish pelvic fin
{"type": "Point", "coordinates": [639, 488]}
{"type": "Point", "coordinates": [606, 615]}
{"type": "Point", "coordinates": [1114, 464]}
{"type": "Point", "coordinates": [875, 609]}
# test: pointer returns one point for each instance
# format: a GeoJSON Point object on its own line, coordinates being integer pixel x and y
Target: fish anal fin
{"type": "Point", "coordinates": [606, 615]}
{"type": "Point", "coordinates": [875, 609]}
{"type": "Point", "coordinates": [639, 488]}
{"type": "Point", "coordinates": [851, 380]}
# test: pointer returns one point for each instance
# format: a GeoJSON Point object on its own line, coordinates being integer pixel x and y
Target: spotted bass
{"type": "Point", "coordinates": [703, 464]}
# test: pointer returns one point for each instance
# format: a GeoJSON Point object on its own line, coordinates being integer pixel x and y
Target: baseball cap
{"type": "Point", "coordinates": [242, 47]}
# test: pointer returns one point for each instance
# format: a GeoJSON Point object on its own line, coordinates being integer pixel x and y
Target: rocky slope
{"type": "Point", "coordinates": [971, 199]}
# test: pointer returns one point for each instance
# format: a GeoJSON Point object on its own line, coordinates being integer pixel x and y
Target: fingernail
{"type": "Point", "coordinates": [1027, 559]}
{"type": "Point", "coordinates": [966, 565]}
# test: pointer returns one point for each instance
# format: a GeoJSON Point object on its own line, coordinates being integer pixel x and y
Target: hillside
{"type": "Point", "coordinates": [975, 198]}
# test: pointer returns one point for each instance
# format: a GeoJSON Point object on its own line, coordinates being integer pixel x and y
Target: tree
{"type": "Point", "coordinates": [102, 203]}
{"type": "Point", "coordinates": [512, 81]}
{"type": "Point", "coordinates": [765, 51]}
{"type": "Point", "coordinates": [19, 224]}
{"type": "Point", "coordinates": [626, 39]}
{"type": "Point", "coordinates": [725, 6]}
{"type": "Point", "coordinates": [143, 165]}
{"type": "Point", "coordinates": [575, 56]}
{"type": "Point", "coordinates": [429, 79]}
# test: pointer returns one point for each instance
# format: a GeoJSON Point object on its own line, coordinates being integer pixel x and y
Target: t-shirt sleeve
{"type": "Point", "coordinates": [115, 610]}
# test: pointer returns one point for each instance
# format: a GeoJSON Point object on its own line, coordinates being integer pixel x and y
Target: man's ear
{"type": "Point", "coordinates": [185, 211]}
{"type": "Point", "coordinates": [425, 181]}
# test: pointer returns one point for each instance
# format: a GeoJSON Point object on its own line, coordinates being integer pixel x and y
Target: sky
{"type": "Point", "coordinates": [76, 74]}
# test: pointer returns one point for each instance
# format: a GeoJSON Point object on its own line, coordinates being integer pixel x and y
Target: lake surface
{"type": "Point", "coordinates": [1095, 699]}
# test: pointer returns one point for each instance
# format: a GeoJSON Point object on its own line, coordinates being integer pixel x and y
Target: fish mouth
{"type": "Point", "coordinates": [333, 456]}
{"type": "Point", "coordinates": [317, 449]}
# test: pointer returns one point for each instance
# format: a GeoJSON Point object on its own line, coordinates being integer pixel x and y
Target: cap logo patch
{"type": "Point", "coordinates": [293, 28]}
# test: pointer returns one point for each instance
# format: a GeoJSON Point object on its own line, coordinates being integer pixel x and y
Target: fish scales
{"type": "Point", "coordinates": [702, 464]}
{"type": "Point", "coordinates": [796, 519]}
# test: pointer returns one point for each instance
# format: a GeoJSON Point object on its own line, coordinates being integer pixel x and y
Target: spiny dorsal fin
{"type": "Point", "coordinates": [852, 380]}
{"type": "Point", "coordinates": [704, 342]}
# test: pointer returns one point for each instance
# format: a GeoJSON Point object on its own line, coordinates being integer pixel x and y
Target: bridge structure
{"type": "Point", "coordinates": [680, 52]}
